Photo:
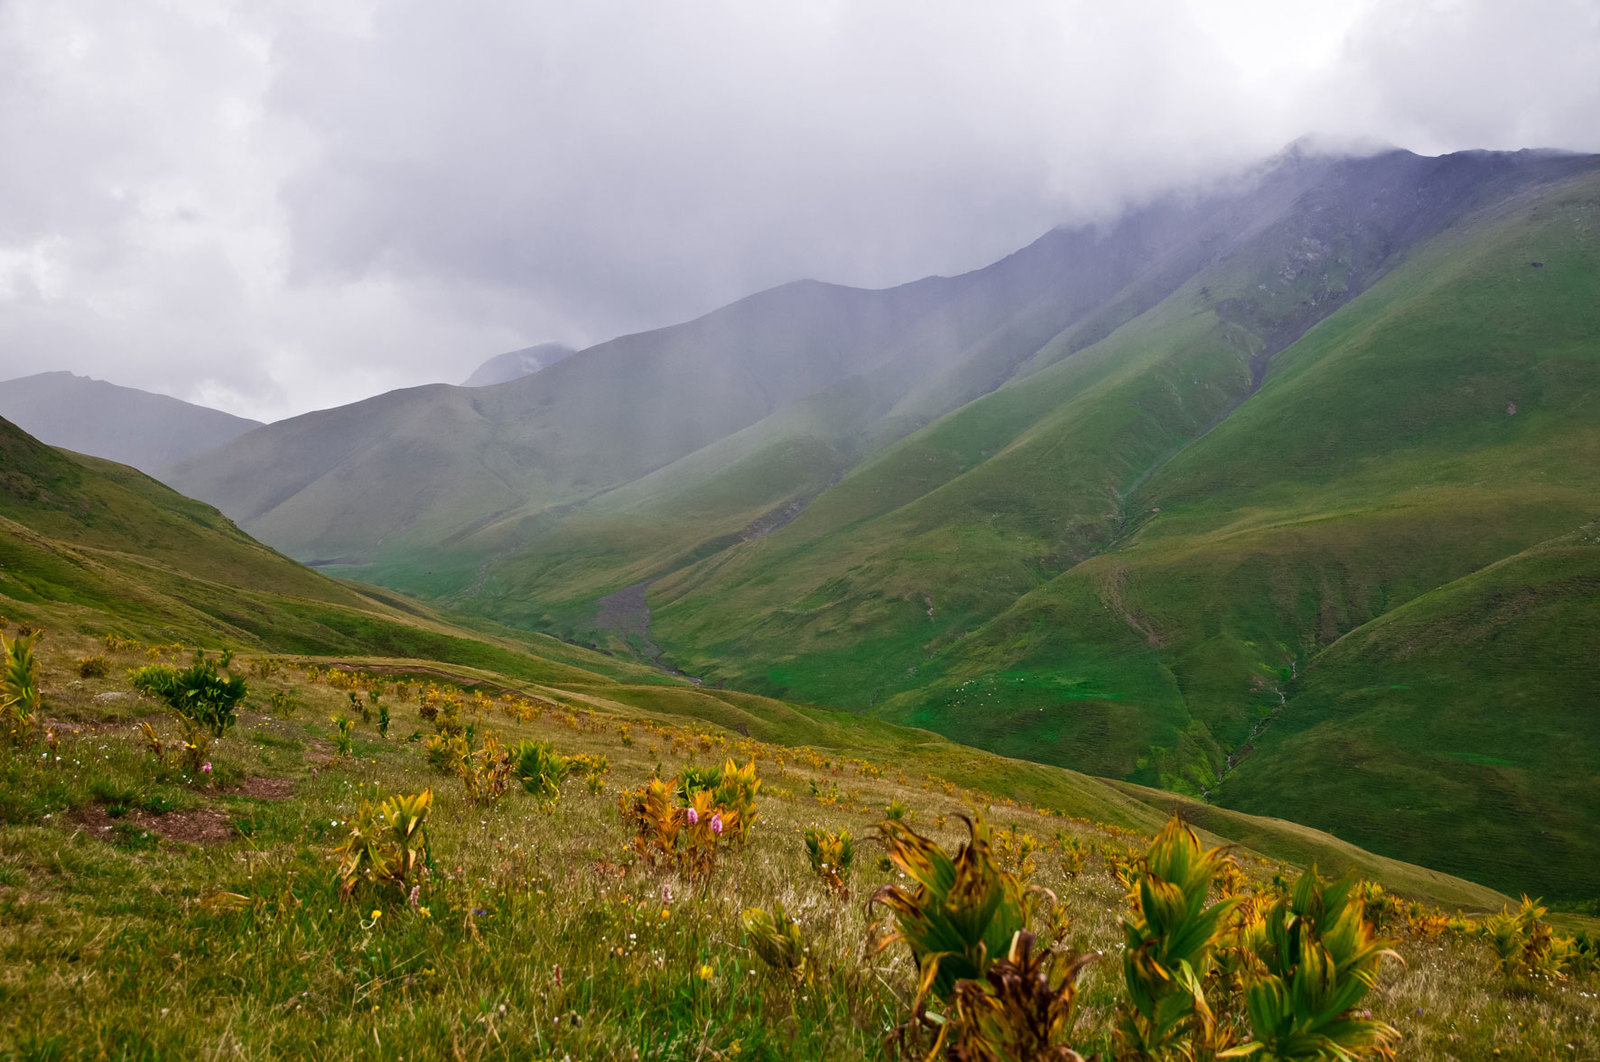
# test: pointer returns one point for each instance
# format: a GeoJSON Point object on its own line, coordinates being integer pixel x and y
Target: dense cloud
{"type": "Point", "coordinates": [275, 207]}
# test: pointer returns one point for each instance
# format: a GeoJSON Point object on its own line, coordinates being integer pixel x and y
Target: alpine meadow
{"type": "Point", "coordinates": [1172, 641]}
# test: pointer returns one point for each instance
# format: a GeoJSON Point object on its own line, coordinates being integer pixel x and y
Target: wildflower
{"type": "Point", "coordinates": [205, 768]}
{"type": "Point", "coordinates": [706, 972]}
{"type": "Point", "coordinates": [665, 913]}
{"type": "Point", "coordinates": [416, 893]}
{"type": "Point", "coordinates": [694, 816]}
{"type": "Point", "coordinates": [376, 914]}
{"type": "Point", "coordinates": [716, 824]}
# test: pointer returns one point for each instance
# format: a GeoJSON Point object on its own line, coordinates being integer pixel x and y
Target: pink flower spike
{"type": "Point", "coordinates": [205, 768]}
{"type": "Point", "coordinates": [694, 816]}
{"type": "Point", "coordinates": [716, 825]}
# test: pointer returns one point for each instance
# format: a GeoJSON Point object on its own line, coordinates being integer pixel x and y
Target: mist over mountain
{"type": "Point", "coordinates": [512, 365]}
{"type": "Point", "coordinates": [1104, 503]}
{"type": "Point", "coordinates": [122, 424]}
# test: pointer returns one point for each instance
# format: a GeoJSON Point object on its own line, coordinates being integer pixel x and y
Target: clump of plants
{"type": "Point", "coordinates": [198, 692]}
{"type": "Point", "coordinates": [732, 789]}
{"type": "Point", "coordinates": [776, 938]}
{"type": "Point", "coordinates": [487, 771]}
{"type": "Point", "coordinates": [1317, 956]}
{"type": "Point", "coordinates": [344, 737]}
{"type": "Point", "coordinates": [541, 768]}
{"type": "Point", "coordinates": [21, 701]}
{"type": "Point", "coordinates": [1168, 947]}
{"type": "Point", "coordinates": [283, 702]}
{"type": "Point", "coordinates": [966, 924]}
{"type": "Point", "coordinates": [669, 834]}
{"type": "Point", "coordinates": [387, 847]}
{"type": "Point", "coordinates": [96, 666]}
{"type": "Point", "coordinates": [831, 854]}
{"type": "Point", "coordinates": [1526, 948]}
{"type": "Point", "coordinates": [190, 754]}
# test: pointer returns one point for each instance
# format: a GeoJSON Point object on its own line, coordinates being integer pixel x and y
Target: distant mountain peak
{"type": "Point", "coordinates": [138, 428]}
{"type": "Point", "coordinates": [515, 364]}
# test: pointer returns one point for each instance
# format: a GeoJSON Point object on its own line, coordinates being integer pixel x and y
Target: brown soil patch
{"type": "Point", "coordinates": [200, 826]}
{"type": "Point", "coordinates": [262, 788]}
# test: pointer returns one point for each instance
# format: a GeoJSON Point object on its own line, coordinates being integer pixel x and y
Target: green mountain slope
{"type": "Point", "coordinates": [87, 546]}
{"type": "Point", "coordinates": [1459, 729]}
{"type": "Point", "coordinates": [1105, 505]}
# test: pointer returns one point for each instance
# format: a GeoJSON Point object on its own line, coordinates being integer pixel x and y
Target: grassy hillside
{"type": "Point", "coordinates": [127, 556]}
{"type": "Point", "coordinates": [1108, 526]}
{"type": "Point", "coordinates": [536, 931]}
{"type": "Point", "coordinates": [1458, 729]}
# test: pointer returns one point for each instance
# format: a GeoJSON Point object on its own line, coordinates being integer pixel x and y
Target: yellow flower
{"type": "Point", "coordinates": [376, 914]}
{"type": "Point", "coordinates": [665, 913]}
{"type": "Point", "coordinates": [706, 972]}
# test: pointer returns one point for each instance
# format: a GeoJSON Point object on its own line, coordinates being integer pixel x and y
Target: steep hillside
{"type": "Point", "coordinates": [837, 371]}
{"type": "Point", "coordinates": [1459, 729]}
{"type": "Point", "coordinates": [88, 547]}
{"type": "Point", "coordinates": [1101, 505]}
{"type": "Point", "coordinates": [121, 424]}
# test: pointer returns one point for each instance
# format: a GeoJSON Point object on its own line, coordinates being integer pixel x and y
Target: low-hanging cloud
{"type": "Point", "coordinates": [275, 207]}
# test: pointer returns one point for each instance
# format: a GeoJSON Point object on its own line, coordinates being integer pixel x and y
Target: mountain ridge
{"type": "Point", "coordinates": [124, 424]}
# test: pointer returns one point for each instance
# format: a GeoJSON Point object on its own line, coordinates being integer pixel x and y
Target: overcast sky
{"type": "Point", "coordinates": [274, 207]}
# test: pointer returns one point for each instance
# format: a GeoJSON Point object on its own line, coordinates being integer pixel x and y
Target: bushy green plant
{"type": "Point", "coordinates": [962, 913]}
{"type": "Point", "coordinates": [283, 702]}
{"type": "Point", "coordinates": [775, 936]}
{"type": "Point", "coordinates": [831, 854]}
{"type": "Point", "coordinates": [541, 768]}
{"type": "Point", "coordinates": [21, 701]}
{"type": "Point", "coordinates": [96, 666]}
{"type": "Point", "coordinates": [1525, 946]}
{"type": "Point", "coordinates": [344, 729]}
{"type": "Point", "coordinates": [196, 692]}
{"type": "Point", "coordinates": [487, 771]}
{"type": "Point", "coordinates": [387, 844]}
{"type": "Point", "coordinates": [1318, 955]}
{"type": "Point", "coordinates": [1167, 952]}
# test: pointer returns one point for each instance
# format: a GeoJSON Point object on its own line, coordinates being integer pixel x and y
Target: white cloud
{"type": "Point", "coordinates": [276, 207]}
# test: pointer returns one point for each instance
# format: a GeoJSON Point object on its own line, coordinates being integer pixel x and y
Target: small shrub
{"type": "Point", "coordinates": [196, 692]}
{"type": "Point", "coordinates": [1318, 957]}
{"type": "Point", "coordinates": [831, 854]}
{"type": "Point", "coordinates": [21, 701]}
{"type": "Point", "coordinates": [897, 811]}
{"type": "Point", "coordinates": [94, 667]}
{"type": "Point", "coordinates": [446, 753]}
{"type": "Point", "coordinates": [1525, 947]}
{"type": "Point", "coordinates": [1016, 850]}
{"type": "Point", "coordinates": [1024, 1008]}
{"type": "Point", "coordinates": [487, 772]}
{"type": "Point", "coordinates": [344, 729]}
{"type": "Point", "coordinates": [283, 702]}
{"type": "Point", "coordinates": [775, 936]}
{"type": "Point", "coordinates": [1168, 950]}
{"type": "Point", "coordinates": [387, 845]}
{"type": "Point", "coordinates": [541, 768]}
{"type": "Point", "coordinates": [668, 835]}
{"type": "Point", "coordinates": [962, 913]}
